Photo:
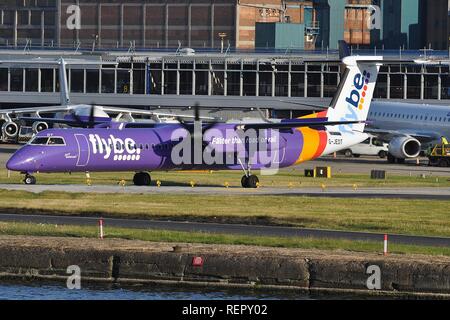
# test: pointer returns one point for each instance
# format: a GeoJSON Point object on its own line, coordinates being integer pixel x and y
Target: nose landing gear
{"type": "Point", "coordinates": [142, 179]}
{"type": "Point", "coordinates": [29, 179]}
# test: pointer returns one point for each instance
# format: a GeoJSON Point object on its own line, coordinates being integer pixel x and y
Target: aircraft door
{"type": "Point", "coordinates": [84, 153]}
{"type": "Point", "coordinates": [280, 154]}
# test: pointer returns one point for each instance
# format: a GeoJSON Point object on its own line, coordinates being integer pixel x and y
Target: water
{"type": "Point", "coordinates": [58, 291]}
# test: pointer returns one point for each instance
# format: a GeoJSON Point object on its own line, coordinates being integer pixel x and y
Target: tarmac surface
{"type": "Point", "coordinates": [390, 193]}
{"type": "Point", "coordinates": [235, 229]}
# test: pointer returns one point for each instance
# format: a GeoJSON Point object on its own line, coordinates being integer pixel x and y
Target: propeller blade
{"type": "Point", "coordinates": [197, 112]}
{"type": "Point", "coordinates": [77, 119]}
{"type": "Point", "coordinates": [91, 122]}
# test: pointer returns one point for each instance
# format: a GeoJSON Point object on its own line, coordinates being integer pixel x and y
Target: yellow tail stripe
{"type": "Point", "coordinates": [311, 141]}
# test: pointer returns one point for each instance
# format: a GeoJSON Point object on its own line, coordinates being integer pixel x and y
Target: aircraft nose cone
{"type": "Point", "coordinates": [14, 164]}
{"type": "Point", "coordinates": [18, 163]}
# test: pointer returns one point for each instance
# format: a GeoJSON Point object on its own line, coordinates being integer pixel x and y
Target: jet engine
{"type": "Point", "coordinates": [404, 147]}
{"type": "Point", "coordinates": [10, 130]}
{"type": "Point", "coordinates": [39, 126]}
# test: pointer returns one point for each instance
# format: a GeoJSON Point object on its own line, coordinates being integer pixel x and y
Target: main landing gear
{"type": "Point", "coordinates": [248, 181]}
{"type": "Point", "coordinates": [392, 159]}
{"type": "Point", "coordinates": [142, 179]}
{"type": "Point", "coordinates": [29, 179]}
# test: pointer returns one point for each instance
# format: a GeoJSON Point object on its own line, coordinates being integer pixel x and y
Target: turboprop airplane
{"type": "Point", "coordinates": [144, 148]}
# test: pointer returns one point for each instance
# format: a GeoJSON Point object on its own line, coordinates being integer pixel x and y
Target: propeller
{"type": "Point", "coordinates": [190, 127]}
{"type": "Point", "coordinates": [91, 120]}
{"type": "Point", "coordinates": [196, 129]}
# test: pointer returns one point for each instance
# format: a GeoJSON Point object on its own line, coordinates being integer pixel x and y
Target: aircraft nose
{"type": "Point", "coordinates": [18, 163]}
{"type": "Point", "coordinates": [14, 164]}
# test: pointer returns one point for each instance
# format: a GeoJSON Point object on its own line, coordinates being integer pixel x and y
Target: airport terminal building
{"type": "Point", "coordinates": [235, 80]}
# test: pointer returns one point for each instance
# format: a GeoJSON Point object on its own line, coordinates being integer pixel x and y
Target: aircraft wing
{"type": "Point", "coordinates": [295, 123]}
{"type": "Point", "coordinates": [298, 123]}
{"type": "Point", "coordinates": [388, 135]}
{"type": "Point", "coordinates": [70, 122]}
{"type": "Point", "coordinates": [115, 110]}
{"type": "Point", "coordinates": [49, 109]}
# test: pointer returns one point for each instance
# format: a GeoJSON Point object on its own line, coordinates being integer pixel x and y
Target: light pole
{"type": "Point", "coordinates": [222, 36]}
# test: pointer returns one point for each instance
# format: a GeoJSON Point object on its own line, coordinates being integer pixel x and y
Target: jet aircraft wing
{"type": "Point", "coordinates": [387, 135]}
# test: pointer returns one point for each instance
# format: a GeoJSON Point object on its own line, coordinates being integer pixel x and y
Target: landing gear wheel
{"type": "Point", "coordinates": [29, 180]}
{"type": "Point", "coordinates": [142, 179]}
{"type": "Point", "coordinates": [244, 182]}
{"type": "Point", "coordinates": [250, 182]}
{"type": "Point", "coordinates": [391, 158]}
{"type": "Point", "coordinates": [253, 182]}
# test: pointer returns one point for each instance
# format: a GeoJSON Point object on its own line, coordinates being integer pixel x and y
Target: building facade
{"type": "Point", "coordinates": [437, 24]}
{"type": "Point", "coordinates": [249, 77]}
{"type": "Point", "coordinates": [410, 24]}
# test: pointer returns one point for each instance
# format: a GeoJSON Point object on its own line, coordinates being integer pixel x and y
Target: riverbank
{"type": "Point", "coordinates": [126, 261]}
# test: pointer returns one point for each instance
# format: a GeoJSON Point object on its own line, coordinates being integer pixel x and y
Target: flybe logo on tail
{"type": "Point", "coordinates": [120, 150]}
{"type": "Point", "coordinates": [358, 95]}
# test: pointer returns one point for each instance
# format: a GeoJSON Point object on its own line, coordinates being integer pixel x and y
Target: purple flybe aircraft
{"type": "Point", "coordinates": [144, 147]}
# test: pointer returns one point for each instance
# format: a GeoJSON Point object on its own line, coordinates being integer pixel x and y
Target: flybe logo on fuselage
{"type": "Point", "coordinates": [120, 150]}
{"type": "Point", "coordinates": [358, 95]}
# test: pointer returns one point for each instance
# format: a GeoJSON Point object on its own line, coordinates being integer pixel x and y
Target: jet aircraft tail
{"type": "Point", "coordinates": [355, 92]}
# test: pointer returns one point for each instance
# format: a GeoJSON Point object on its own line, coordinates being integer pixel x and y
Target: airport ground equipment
{"type": "Point", "coordinates": [440, 154]}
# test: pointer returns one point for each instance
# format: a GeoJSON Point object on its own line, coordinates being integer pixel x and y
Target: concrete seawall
{"type": "Point", "coordinates": [137, 261]}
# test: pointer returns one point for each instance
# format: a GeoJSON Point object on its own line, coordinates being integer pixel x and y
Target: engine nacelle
{"type": "Point", "coordinates": [404, 147]}
{"type": "Point", "coordinates": [39, 126]}
{"type": "Point", "coordinates": [10, 130]}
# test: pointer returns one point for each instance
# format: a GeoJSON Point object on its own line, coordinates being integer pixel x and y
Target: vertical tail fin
{"type": "Point", "coordinates": [63, 85]}
{"type": "Point", "coordinates": [355, 93]}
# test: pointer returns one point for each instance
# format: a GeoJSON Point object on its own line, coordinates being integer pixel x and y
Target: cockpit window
{"type": "Point", "coordinates": [48, 141]}
{"type": "Point", "coordinates": [39, 141]}
{"type": "Point", "coordinates": [56, 142]}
